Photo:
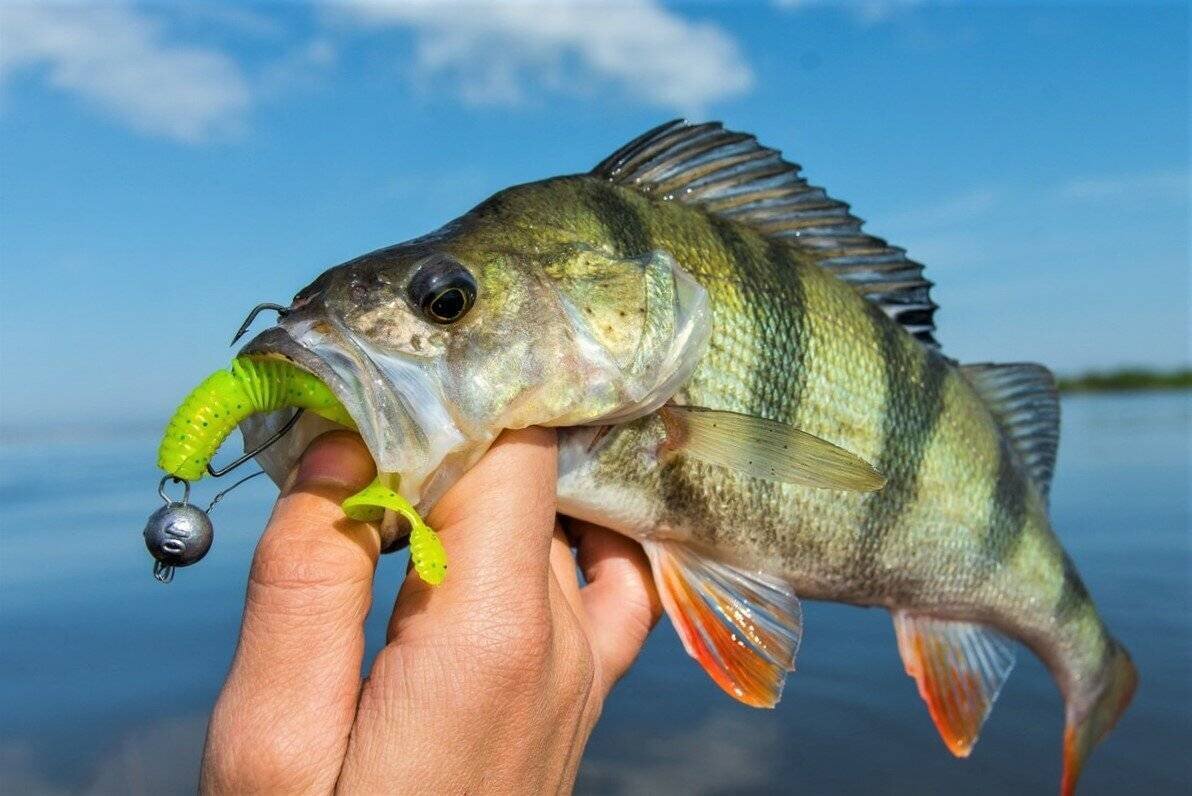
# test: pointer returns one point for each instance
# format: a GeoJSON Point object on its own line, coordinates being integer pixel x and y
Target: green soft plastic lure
{"type": "Point", "coordinates": [426, 551]}
{"type": "Point", "coordinates": [209, 414]}
{"type": "Point", "coordinates": [212, 411]}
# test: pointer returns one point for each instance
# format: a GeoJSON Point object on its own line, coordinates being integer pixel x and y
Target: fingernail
{"type": "Point", "coordinates": [337, 458]}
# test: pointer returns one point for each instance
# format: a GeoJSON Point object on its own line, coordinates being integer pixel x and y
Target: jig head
{"type": "Point", "coordinates": [177, 534]}
{"type": "Point", "coordinates": [180, 533]}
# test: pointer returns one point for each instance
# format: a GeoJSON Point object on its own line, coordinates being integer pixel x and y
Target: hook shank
{"type": "Point", "coordinates": [274, 437]}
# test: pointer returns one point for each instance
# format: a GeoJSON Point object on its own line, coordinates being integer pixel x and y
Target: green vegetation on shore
{"type": "Point", "coordinates": [1127, 379]}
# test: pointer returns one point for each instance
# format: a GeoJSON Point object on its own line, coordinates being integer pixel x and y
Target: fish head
{"type": "Point", "coordinates": [436, 345]}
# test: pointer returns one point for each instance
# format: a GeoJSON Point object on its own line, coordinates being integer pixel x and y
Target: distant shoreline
{"type": "Point", "coordinates": [1126, 380]}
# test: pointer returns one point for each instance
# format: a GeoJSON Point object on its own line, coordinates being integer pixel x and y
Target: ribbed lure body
{"type": "Point", "coordinates": [209, 414]}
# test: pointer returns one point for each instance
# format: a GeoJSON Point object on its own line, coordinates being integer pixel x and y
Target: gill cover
{"type": "Point", "coordinates": [586, 338]}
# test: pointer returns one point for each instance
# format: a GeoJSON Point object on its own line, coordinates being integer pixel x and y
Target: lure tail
{"type": "Point", "coordinates": [426, 551]}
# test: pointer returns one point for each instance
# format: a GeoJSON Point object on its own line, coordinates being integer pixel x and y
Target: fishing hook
{"type": "Point", "coordinates": [252, 315]}
{"type": "Point", "coordinates": [281, 432]}
{"type": "Point", "coordinates": [220, 495]}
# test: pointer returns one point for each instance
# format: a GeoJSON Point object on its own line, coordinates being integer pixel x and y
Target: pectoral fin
{"type": "Point", "coordinates": [743, 627]}
{"type": "Point", "coordinates": [960, 668]}
{"type": "Point", "coordinates": [766, 449]}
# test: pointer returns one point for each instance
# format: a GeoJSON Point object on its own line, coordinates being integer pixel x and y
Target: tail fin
{"type": "Point", "coordinates": [1089, 717]}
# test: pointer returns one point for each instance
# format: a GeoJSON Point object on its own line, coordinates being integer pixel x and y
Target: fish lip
{"type": "Point", "coordinates": [280, 458]}
{"type": "Point", "coordinates": [354, 374]}
{"type": "Point", "coordinates": [276, 341]}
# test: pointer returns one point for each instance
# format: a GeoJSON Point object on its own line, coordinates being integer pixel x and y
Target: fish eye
{"type": "Point", "coordinates": [443, 289]}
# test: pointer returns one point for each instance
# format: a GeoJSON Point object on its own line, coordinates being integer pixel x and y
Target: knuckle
{"type": "Point", "coordinates": [305, 565]}
{"type": "Point", "coordinates": [246, 758]}
{"type": "Point", "coordinates": [514, 648]}
{"type": "Point", "coordinates": [509, 656]}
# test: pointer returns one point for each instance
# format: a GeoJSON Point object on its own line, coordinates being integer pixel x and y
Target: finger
{"type": "Point", "coordinates": [620, 600]}
{"type": "Point", "coordinates": [283, 717]}
{"type": "Point", "coordinates": [496, 526]}
{"type": "Point", "coordinates": [563, 568]}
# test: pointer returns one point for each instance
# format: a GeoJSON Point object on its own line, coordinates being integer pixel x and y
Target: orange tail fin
{"type": "Point", "coordinates": [1090, 718]}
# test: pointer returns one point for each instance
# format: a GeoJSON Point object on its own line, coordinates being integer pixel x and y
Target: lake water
{"type": "Point", "coordinates": [106, 677]}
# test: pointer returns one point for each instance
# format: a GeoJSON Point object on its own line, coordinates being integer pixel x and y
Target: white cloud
{"type": "Point", "coordinates": [1167, 184]}
{"type": "Point", "coordinates": [494, 53]}
{"type": "Point", "coordinates": [116, 58]}
{"type": "Point", "coordinates": [868, 12]}
{"type": "Point", "coordinates": [140, 64]}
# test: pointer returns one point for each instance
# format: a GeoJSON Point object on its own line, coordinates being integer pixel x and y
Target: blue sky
{"type": "Point", "coordinates": [165, 167]}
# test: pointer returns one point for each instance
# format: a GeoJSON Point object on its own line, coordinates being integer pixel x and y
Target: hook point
{"type": "Point", "coordinates": [252, 315]}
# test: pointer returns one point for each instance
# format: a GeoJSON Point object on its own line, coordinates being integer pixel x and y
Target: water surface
{"type": "Point", "coordinates": [106, 677]}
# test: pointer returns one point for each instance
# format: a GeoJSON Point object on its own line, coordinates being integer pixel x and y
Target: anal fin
{"type": "Point", "coordinates": [744, 628]}
{"type": "Point", "coordinates": [960, 668]}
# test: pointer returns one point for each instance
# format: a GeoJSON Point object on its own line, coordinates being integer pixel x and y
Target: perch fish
{"type": "Point", "coordinates": [747, 384]}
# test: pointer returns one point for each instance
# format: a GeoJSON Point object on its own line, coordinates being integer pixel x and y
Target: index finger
{"type": "Point", "coordinates": [283, 716]}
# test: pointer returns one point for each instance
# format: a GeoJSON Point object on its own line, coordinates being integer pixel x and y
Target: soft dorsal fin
{"type": "Point", "coordinates": [732, 176]}
{"type": "Point", "coordinates": [1023, 399]}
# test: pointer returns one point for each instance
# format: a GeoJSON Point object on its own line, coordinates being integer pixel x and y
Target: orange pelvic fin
{"type": "Point", "coordinates": [743, 627]}
{"type": "Point", "coordinates": [960, 668]}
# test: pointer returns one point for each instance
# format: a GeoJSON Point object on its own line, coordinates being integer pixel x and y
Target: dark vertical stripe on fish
{"type": "Point", "coordinates": [914, 402]}
{"type": "Point", "coordinates": [1073, 594]}
{"type": "Point", "coordinates": [791, 346]}
{"type": "Point", "coordinates": [623, 225]}
{"type": "Point", "coordinates": [746, 259]}
{"type": "Point", "coordinates": [767, 270]}
{"type": "Point", "coordinates": [1007, 512]}
{"type": "Point", "coordinates": [746, 262]}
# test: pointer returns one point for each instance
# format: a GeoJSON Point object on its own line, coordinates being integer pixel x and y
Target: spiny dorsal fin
{"type": "Point", "coordinates": [1023, 398]}
{"type": "Point", "coordinates": [733, 176]}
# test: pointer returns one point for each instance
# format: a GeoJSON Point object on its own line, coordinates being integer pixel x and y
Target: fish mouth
{"type": "Point", "coordinates": [279, 458]}
{"type": "Point", "coordinates": [398, 411]}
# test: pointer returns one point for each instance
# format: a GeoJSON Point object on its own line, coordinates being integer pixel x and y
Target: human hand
{"type": "Point", "coordinates": [491, 681]}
